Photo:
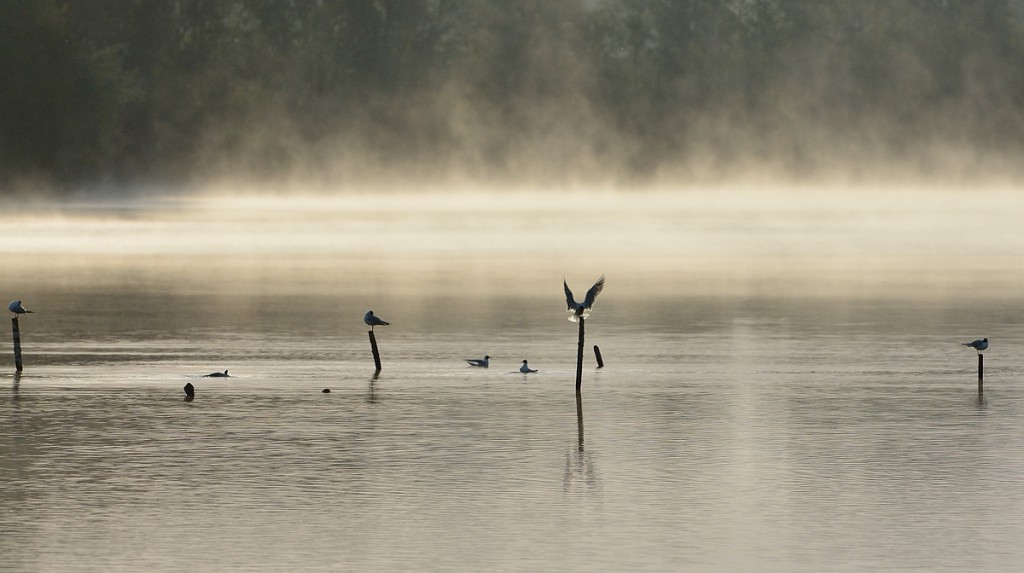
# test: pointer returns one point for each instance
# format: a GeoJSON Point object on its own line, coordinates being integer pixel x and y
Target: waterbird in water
{"type": "Point", "coordinates": [525, 368]}
{"type": "Point", "coordinates": [581, 309]}
{"type": "Point", "coordinates": [223, 374]}
{"type": "Point", "coordinates": [190, 392]}
{"type": "Point", "coordinates": [978, 345]}
{"type": "Point", "coordinates": [481, 363]}
{"type": "Point", "coordinates": [16, 308]}
{"type": "Point", "coordinates": [372, 320]}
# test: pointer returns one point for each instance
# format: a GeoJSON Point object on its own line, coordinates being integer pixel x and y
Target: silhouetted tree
{"type": "Point", "coordinates": [130, 91]}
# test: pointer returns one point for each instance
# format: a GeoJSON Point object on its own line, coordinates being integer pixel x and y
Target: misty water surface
{"type": "Point", "coordinates": [785, 387]}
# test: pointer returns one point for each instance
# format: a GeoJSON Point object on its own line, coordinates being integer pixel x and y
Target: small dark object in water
{"type": "Point", "coordinates": [326, 391]}
{"type": "Point", "coordinates": [223, 374]}
{"type": "Point", "coordinates": [190, 392]}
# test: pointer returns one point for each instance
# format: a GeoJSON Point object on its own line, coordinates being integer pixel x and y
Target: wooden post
{"type": "Point", "coordinates": [579, 359]}
{"type": "Point", "coordinates": [981, 373]}
{"type": "Point", "coordinates": [17, 344]}
{"type": "Point", "coordinates": [597, 354]}
{"type": "Point", "coordinates": [373, 347]}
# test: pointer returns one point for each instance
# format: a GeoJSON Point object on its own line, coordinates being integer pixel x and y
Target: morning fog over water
{"type": "Point", "coordinates": [773, 241]}
{"type": "Point", "coordinates": [229, 186]}
{"type": "Point", "coordinates": [785, 386]}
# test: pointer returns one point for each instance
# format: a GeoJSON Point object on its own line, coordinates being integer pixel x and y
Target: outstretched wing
{"type": "Point", "coordinates": [570, 303]}
{"type": "Point", "coordinates": [593, 292]}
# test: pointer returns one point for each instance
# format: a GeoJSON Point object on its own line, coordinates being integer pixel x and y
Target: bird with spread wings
{"type": "Point", "coordinates": [582, 309]}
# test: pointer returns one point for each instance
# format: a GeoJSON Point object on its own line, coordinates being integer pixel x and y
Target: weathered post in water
{"type": "Point", "coordinates": [597, 355]}
{"type": "Point", "coordinates": [373, 347]}
{"type": "Point", "coordinates": [579, 358]}
{"type": "Point", "coordinates": [17, 344]}
{"type": "Point", "coordinates": [373, 320]}
{"type": "Point", "coordinates": [981, 373]}
{"type": "Point", "coordinates": [580, 312]}
{"type": "Point", "coordinates": [18, 309]}
{"type": "Point", "coordinates": [980, 346]}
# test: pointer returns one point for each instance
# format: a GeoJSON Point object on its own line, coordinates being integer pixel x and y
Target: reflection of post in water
{"type": "Point", "coordinates": [579, 419]}
{"type": "Point", "coordinates": [15, 386]}
{"type": "Point", "coordinates": [579, 467]}
{"type": "Point", "coordinates": [371, 392]}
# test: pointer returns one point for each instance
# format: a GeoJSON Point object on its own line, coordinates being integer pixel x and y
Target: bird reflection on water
{"type": "Point", "coordinates": [15, 385]}
{"type": "Point", "coordinates": [580, 475]}
{"type": "Point", "coordinates": [371, 390]}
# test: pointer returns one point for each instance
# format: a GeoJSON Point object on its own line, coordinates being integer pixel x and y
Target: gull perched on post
{"type": "Point", "coordinates": [16, 308]}
{"type": "Point", "coordinates": [978, 345]}
{"type": "Point", "coordinates": [582, 309]}
{"type": "Point", "coordinates": [372, 320]}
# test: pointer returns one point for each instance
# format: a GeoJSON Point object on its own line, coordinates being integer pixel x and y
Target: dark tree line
{"type": "Point", "coordinates": [128, 92]}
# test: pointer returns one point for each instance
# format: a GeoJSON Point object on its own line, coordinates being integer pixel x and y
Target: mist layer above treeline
{"type": "Point", "coordinates": [130, 92]}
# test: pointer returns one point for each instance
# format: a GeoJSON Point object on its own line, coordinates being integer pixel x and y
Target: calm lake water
{"type": "Point", "coordinates": [784, 388]}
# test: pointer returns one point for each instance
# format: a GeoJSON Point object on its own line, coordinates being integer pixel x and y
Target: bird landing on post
{"type": "Point", "coordinates": [582, 309]}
